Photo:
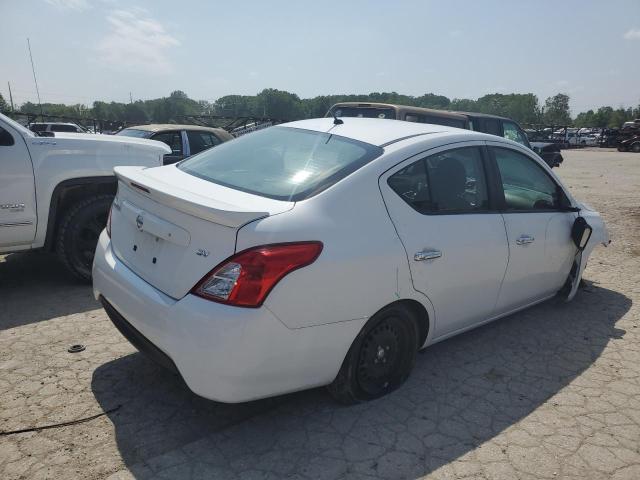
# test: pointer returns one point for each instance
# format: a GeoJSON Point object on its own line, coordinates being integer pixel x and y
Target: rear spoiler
{"type": "Point", "coordinates": [210, 209]}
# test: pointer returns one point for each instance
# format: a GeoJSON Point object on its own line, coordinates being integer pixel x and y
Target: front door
{"type": "Point", "coordinates": [175, 141]}
{"type": "Point", "coordinates": [17, 190]}
{"type": "Point", "coordinates": [455, 242]}
{"type": "Point", "coordinates": [538, 226]}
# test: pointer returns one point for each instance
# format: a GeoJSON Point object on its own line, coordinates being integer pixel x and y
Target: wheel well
{"type": "Point", "coordinates": [68, 193]}
{"type": "Point", "coordinates": [421, 315]}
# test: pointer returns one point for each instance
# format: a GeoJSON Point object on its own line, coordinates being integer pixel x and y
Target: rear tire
{"type": "Point", "coordinates": [380, 358]}
{"type": "Point", "coordinates": [78, 234]}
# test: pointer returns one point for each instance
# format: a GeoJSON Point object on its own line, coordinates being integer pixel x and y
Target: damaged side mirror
{"type": "Point", "coordinates": [581, 233]}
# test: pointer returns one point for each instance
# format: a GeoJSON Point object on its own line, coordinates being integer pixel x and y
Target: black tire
{"type": "Point", "coordinates": [635, 147]}
{"type": "Point", "coordinates": [78, 233]}
{"type": "Point", "coordinates": [380, 358]}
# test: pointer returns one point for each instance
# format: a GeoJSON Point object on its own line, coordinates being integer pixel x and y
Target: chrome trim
{"type": "Point", "coordinates": [525, 240]}
{"type": "Point", "coordinates": [16, 224]}
{"type": "Point", "coordinates": [427, 255]}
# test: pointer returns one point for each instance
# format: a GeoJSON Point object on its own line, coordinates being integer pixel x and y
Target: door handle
{"type": "Point", "coordinates": [427, 255]}
{"type": "Point", "coordinates": [525, 239]}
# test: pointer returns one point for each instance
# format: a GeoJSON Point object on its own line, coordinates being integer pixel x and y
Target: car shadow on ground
{"type": "Point", "coordinates": [462, 392]}
{"type": "Point", "coordinates": [35, 286]}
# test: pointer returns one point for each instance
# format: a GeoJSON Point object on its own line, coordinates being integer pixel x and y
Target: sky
{"type": "Point", "coordinates": [86, 50]}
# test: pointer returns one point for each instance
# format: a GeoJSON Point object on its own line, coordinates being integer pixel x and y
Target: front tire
{"type": "Point", "coordinates": [380, 358]}
{"type": "Point", "coordinates": [78, 234]}
{"type": "Point", "coordinates": [635, 147]}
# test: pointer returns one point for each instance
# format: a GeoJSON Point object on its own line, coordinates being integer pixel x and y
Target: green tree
{"type": "Point", "coordinates": [556, 110]}
{"type": "Point", "coordinates": [3, 104]}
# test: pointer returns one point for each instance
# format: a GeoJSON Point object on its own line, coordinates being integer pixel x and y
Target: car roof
{"type": "Point", "coordinates": [159, 127]}
{"type": "Point", "coordinates": [377, 131]}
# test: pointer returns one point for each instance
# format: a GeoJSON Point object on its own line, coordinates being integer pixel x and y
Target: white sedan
{"type": "Point", "coordinates": [328, 251]}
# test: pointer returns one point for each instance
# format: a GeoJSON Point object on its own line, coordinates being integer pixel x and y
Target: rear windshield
{"type": "Point", "coordinates": [132, 132]}
{"type": "Point", "coordinates": [281, 163]}
{"type": "Point", "coordinates": [364, 112]}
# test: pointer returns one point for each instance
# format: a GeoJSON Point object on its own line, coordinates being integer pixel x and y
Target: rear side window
{"type": "Point", "coordinates": [200, 141]}
{"type": "Point", "coordinates": [173, 139]}
{"type": "Point", "coordinates": [488, 125]}
{"type": "Point", "coordinates": [435, 120]}
{"type": "Point", "coordinates": [132, 132]}
{"type": "Point", "coordinates": [526, 185]}
{"type": "Point", "coordinates": [282, 163]}
{"type": "Point", "coordinates": [64, 128]}
{"type": "Point", "coordinates": [38, 128]}
{"type": "Point", "coordinates": [448, 182]}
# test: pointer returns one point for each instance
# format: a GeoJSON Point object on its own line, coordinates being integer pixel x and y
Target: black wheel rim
{"type": "Point", "coordinates": [382, 355]}
{"type": "Point", "coordinates": [87, 239]}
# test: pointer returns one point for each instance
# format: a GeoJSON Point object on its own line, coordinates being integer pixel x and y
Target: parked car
{"type": "Point", "coordinates": [56, 127]}
{"type": "Point", "coordinates": [184, 140]}
{"type": "Point", "coordinates": [480, 122]}
{"type": "Point", "coordinates": [55, 191]}
{"type": "Point", "coordinates": [608, 137]}
{"type": "Point", "coordinates": [629, 144]}
{"type": "Point", "coordinates": [327, 252]}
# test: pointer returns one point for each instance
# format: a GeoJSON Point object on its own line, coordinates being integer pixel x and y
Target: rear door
{"type": "Point", "coordinates": [17, 190]}
{"type": "Point", "coordinates": [455, 243]}
{"type": "Point", "coordinates": [538, 229]}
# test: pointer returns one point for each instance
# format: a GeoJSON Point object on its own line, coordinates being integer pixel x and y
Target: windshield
{"type": "Point", "coordinates": [281, 163]}
{"type": "Point", "coordinates": [363, 112]}
{"type": "Point", "coordinates": [132, 132]}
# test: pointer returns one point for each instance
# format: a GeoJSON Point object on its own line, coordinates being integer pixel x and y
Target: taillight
{"type": "Point", "coordinates": [246, 278]}
{"type": "Point", "coordinates": [108, 227]}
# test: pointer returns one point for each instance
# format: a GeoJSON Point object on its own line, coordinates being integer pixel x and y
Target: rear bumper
{"type": "Point", "coordinates": [223, 353]}
{"type": "Point", "coordinates": [137, 339]}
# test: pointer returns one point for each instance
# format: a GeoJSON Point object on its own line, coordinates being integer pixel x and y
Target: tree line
{"type": "Point", "coordinates": [524, 108]}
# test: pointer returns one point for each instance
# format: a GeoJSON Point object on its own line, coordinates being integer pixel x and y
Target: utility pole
{"type": "Point", "coordinates": [130, 98]}
{"type": "Point", "coordinates": [10, 97]}
{"type": "Point", "coordinates": [34, 79]}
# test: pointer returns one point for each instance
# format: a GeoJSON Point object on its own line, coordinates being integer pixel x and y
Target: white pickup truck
{"type": "Point", "coordinates": [55, 191]}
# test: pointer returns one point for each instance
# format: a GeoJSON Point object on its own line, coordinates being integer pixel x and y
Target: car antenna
{"type": "Point", "coordinates": [336, 120]}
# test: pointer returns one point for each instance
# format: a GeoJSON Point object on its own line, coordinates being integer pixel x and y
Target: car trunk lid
{"type": "Point", "coordinates": [172, 228]}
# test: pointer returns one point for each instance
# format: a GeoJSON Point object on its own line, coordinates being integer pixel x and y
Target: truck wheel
{"type": "Point", "coordinates": [78, 234]}
{"type": "Point", "coordinates": [635, 147]}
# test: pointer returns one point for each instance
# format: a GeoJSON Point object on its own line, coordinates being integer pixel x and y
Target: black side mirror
{"type": "Point", "coordinates": [581, 233]}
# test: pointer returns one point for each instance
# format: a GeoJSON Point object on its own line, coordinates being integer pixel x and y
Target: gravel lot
{"type": "Point", "coordinates": [552, 392]}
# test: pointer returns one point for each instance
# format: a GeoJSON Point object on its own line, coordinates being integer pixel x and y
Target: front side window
{"type": "Point", "coordinates": [526, 185]}
{"type": "Point", "coordinates": [173, 139]}
{"type": "Point", "coordinates": [448, 182]}
{"type": "Point", "coordinates": [512, 132]}
{"type": "Point", "coordinates": [282, 163]}
{"type": "Point", "coordinates": [200, 141]}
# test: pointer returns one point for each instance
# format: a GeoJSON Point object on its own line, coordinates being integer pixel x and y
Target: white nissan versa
{"type": "Point", "coordinates": [328, 251]}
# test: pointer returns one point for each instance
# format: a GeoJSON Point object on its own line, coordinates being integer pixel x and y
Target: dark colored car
{"type": "Point", "coordinates": [184, 140]}
{"type": "Point", "coordinates": [480, 122]}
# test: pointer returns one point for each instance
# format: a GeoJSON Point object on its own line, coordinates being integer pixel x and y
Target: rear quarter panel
{"type": "Point", "coordinates": [363, 266]}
